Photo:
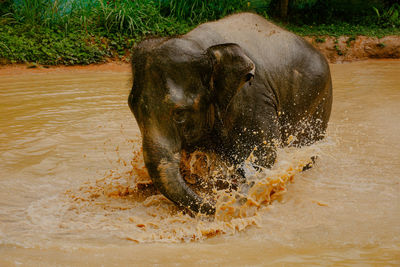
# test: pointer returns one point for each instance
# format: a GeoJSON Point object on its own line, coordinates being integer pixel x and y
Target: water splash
{"type": "Point", "coordinates": [123, 203]}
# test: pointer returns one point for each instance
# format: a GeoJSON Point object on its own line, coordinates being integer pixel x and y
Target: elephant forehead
{"type": "Point", "coordinates": [179, 95]}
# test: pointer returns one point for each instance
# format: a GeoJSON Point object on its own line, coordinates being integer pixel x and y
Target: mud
{"type": "Point", "coordinates": [347, 49]}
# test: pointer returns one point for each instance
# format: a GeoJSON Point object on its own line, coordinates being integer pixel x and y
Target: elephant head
{"type": "Point", "coordinates": [177, 91]}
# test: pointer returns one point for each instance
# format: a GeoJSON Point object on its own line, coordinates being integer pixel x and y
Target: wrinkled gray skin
{"type": "Point", "coordinates": [227, 86]}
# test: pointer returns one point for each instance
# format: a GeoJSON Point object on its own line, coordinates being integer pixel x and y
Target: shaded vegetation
{"type": "Point", "coordinates": [87, 31]}
{"type": "Point", "coordinates": [340, 29]}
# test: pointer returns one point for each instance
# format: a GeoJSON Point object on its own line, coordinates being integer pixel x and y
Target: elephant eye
{"type": "Point", "coordinates": [249, 77]}
{"type": "Point", "coordinates": [180, 115]}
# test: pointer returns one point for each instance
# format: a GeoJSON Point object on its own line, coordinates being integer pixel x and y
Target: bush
{"type": "Point", "coordinates": [332, 11]}
{"type": "Point", "coordinates": [139, 17]}
{"type": "Point", "coordinates": [197, 11]}
{"type": "Point", "coordinates": [78, 31]}
{"type": "Point", "coordinates": [87, 31]}
{"type": "Point", "coordinates": [389, 17]}
{"type": "Point", "coordinates": [48, 47]}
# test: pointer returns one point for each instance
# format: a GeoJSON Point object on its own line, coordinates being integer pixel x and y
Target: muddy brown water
{"type": "Point", "coordinates": [68, 142]}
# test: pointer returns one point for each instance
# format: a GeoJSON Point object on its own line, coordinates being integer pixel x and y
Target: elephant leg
{"type": "Point", "coordinates": [256, 140]}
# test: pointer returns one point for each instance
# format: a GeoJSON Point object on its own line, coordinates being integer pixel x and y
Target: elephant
{"type": "Point", "coordinates": [236, 86]}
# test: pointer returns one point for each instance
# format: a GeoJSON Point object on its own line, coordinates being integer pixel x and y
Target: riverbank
{"type": "Point", "coordinates": [80, 32]}
{"type": "Point", "coordinates": [336, 50]}
{"type": "Point", "coordinates": [112, 66]}
{"type": "Point", "coordinates": [350, 48]}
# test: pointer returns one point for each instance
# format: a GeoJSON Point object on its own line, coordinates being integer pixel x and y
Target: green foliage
{"type": "Point", "coordinates": [197, 11]}
{"type": "Point", "coordinates": [47, 47]}
{"type": "Point", "coordinates": [5, 7]}
{"type": "Point", "coordinates": [389, 17]}
{"type": "Point", "coordinates": [139, 17]}
{"type": "Point", "coordinates": [78, 31]}
{"type": "Point", "coordinates": [330, 11]}
{"type": "Point", "coordinates": [340, 29]}
{"type": "Point", "coordinates": [87, 31]}
{"type": "Point", "coordinates": [338, 51]}
{"type": "Point", "coordinates": [381, 45]}
{"type": "Point", "coordinates": [349, 40]}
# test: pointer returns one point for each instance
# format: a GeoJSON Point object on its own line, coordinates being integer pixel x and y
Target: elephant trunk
{"type": "Point", "coordinates": [162, 161]}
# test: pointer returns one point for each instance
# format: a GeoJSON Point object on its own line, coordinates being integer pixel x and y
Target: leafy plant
{"type": "Point", "coordinates": [46, 46]}
{"type": "Point", "coordinates": [338, 50]}
{"type": "Point", "coordinates": [87, 31]}
{"type": "Point", "coordinates": [381, 45]}
{"type": "Point", "coordinates": [349, 40]}
{"type": "Point", "coordinates": [389, 17]}
{"type": "Point", "coordinates": [196, 11]}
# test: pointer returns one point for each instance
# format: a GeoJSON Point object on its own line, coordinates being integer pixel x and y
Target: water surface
{"type": "Point", "coordinates": [67, 139]}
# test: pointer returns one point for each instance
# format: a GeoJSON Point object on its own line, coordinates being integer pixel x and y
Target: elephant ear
{"type": "Point", "coordinates": [231, 69]}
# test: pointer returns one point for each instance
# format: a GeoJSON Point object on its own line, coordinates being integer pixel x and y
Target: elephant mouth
{"type": "Point", "coordinates": [207, 173]}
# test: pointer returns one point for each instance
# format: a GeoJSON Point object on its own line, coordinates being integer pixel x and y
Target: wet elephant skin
{"type": "Point", "coordinates": [228, 86]}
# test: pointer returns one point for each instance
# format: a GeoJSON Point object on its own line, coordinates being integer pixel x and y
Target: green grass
{"type": "Point", "coordinates": [197, 11]}
{"type": "Point", "coordinates": [79, 32]}
{"type": "Point", "coordinates": [69, 32]}
{"type": "Point", "coordinates": [340, 29]}
{"type": "Point", "coordinates": [133, 17]}
{"type": "Point", "coordinates": [48, 47]}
